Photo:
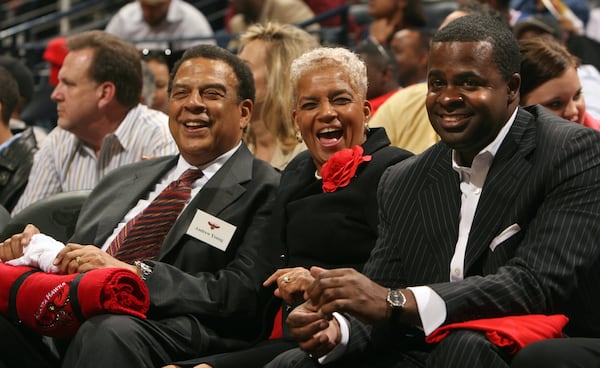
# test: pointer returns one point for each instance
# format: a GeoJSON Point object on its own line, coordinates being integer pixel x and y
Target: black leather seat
{"type": "Point", "coordinates": [55, 216]}
{"type": "Point", "coordinates": [4, 218]}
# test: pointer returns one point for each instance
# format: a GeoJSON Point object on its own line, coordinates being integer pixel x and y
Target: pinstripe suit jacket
{"type": "Point", "coordinates": [545, 178]}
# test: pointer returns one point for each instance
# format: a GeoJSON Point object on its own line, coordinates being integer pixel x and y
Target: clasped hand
{"type": "Point", "coordinates": [340, 290]}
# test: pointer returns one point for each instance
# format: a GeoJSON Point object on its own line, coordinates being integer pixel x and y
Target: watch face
{"type": "Point", "coordinates": [396, 298]}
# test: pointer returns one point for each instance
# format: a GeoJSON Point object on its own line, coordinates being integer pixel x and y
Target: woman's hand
{"type": "Point", "coordinates": [291, 284]}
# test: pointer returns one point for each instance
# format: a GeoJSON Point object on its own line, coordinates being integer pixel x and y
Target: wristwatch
{"type": "Point", "coordinates": [396, 300]}
{"type": "Point", "coordinates": [145, 270]}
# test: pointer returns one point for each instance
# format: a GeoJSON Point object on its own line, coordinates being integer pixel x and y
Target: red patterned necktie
{"type": "Point", "coordinates": [143, 235]}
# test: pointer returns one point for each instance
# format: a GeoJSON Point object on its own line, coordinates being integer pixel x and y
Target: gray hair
{"type": "Point", "coordinates": [342, 59]}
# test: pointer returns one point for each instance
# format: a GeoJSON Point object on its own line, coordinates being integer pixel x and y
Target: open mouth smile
{"type": "Point", "coordinates": [330, 137]}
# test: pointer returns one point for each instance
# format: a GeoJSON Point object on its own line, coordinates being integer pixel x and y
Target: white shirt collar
{"type": "Point", "coordinates": [208, 169]}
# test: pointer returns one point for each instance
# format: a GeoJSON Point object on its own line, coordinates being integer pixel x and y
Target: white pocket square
{"type": "Point", "coordinates": [504, 235]}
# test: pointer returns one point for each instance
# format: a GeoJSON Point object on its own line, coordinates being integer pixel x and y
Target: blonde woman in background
{"type": "Point", "coordinates": [269, 50]}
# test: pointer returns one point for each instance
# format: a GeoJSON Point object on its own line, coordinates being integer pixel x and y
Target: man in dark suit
{"type": "Point", "coordinates": [206, 293]}
{"type": "Point", "coordinates": [499, 219]}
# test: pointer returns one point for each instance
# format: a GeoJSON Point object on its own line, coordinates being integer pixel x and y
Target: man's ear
{"type": "Point", "coordinates": [246, 107]}
{"type": "Point", "coordinates": [514, 84]}
{"type": "Point", "coordinates": [106, 93]}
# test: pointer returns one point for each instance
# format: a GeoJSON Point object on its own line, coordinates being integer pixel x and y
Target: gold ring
{"type": "Point", "coordinates": [78, 259]}
{"type": "Point", "coordinates": [286, 279]}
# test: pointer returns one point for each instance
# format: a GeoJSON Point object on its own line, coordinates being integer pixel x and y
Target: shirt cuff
{"type": "Point", "coordinates": [431, 307]}
{"type": "Point", "coordinates": [340, 348]}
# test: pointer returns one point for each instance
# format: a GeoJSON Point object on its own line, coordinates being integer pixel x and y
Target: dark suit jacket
{"type": "Point", "coordinates": [15, 165]}
{"type": "Point", "coordinates": [336, 229]}
{"type": "Point", "coordinates": [221, 291]}
{"type": "Point", "coordinates": [545, 178]}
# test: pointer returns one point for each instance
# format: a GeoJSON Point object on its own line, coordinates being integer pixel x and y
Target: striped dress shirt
{"type": "Point", "coordinates": [65, 164]}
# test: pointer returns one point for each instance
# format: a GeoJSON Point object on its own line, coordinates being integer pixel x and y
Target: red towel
{"type": "Point", "coordinates": [56, 305]}
{"type": "Point", "coordinates": [512, 332]}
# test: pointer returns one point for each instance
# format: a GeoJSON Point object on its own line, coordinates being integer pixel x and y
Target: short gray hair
{"type": "Point", "coordinates": [338, 57]}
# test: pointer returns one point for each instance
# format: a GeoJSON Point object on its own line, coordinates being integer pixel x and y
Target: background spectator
{"type": "Point", "coordinates": [269, 51]}
{"type": "Point", "coordinates": [248, 12]}
{"type": "Point", "coordinates": [405, 119]}
{"type": "Point", "coordinates": [160, 67]}
{"type": "Point", "coordinates": [390, 16]}
{"type": "Point", "coordinates": [544, 26]}
{"type": "Point", "coordinates": [16, 151]}
{"type": "Point", "coordinates": [382, 72]}
{"type": "Point", "coordinates": [161, 20]}
{"type": "Point", "coordinates": [24, 78]}
{"type": "Point", "coordinates": [549, 78]}
{"type": "Point", "coordinates": [148, 85]}
{"type": "Point", "coordinates": [101, 123]}
{"type": "Point", "coordinates": [410, 48]}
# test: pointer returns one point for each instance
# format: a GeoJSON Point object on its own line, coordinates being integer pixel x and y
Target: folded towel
{"type": "Point", "coordinates": [40, 252]}
{"type": "Point", "coordinates": [56, 305]}
{"type": "Point", "coordinates": [511, 332]}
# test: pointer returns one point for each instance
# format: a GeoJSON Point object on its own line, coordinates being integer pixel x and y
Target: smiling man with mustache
{"type": "Point", "coordinates": [205, 273]}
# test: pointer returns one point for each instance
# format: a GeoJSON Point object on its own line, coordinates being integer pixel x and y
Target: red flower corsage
{"type": "Point", "coordinates": [341, 168]}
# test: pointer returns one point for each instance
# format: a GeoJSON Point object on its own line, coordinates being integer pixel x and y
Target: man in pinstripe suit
{"type": "Point", "coordinates": [500, 218]}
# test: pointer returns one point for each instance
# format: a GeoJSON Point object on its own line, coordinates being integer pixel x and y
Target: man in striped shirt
{"type": "Point", "coordinates": [101, 124]}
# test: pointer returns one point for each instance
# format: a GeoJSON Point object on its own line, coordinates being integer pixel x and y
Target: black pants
{"type": "Point", "coordinates": [112, 341]}
{"type": "Point", "coordinates": [22, 348]}
{"type": "Point", "coordinates": [254, 357]}
{"type": "Point", "coordinates": [560, 353]}
{"type": "Point", "coordinates": [460, 349]}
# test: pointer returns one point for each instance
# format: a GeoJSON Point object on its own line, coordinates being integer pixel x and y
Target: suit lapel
{"type": "Point", "coordinates": [440, 206]}
{"type": "Point", "coordinates": [133, 187]}
{"type": "Point", "coordinates": [507, 174]}
{"type": "Point", "coordinates": [218, 193]}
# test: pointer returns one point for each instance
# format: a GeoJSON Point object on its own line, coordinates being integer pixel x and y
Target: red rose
{"type": "Point", "coordinates": [341, 168]}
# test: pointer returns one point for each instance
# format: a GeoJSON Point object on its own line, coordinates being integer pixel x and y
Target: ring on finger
{"type": "Point", "coordinates": [286, 279]}
{"type": "Point", "coordinates": [78, 259]}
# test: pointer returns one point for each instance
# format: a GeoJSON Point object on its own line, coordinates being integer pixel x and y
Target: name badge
{"type": "Point", "coordinates": [211, 230]}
